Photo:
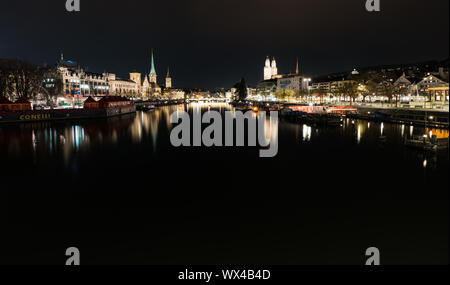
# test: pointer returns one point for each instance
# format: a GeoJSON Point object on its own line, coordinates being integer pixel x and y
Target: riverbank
{"type": "Point", "coordinates": [417, 117]}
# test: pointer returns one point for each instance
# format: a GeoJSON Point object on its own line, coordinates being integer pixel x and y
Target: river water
{"type": "Point", "coordinates": [120, 192]}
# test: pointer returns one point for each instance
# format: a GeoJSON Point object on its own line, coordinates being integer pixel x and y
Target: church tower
{"type": "Point", "coordinates": [274, 68]}
{"type": "Point", "coordinates": [136, 77]}
{"type": "Point", "coordinates": [168, 79]}
{"type": "Point", "coordinates": [153, 75]}
{"type": "Point", "coordinates": [267, 70]}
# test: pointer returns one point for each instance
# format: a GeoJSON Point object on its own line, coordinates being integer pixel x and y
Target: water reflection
{"type": "Point", "coordinates": [396, 133]}
{"type": "Point", "coordinates": [157, 121]}
{"type": "Point", "coordinates": [307, 133]}
{"type": "Point", "coordinates": [359, 134]}
{"type": "Point", "coordinates": [69, 138]}
{"type": "Point", "coordinates": [65, 138]}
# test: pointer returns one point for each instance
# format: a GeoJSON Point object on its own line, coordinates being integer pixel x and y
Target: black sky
{"type": "Point", "coordinates": [213, 43]}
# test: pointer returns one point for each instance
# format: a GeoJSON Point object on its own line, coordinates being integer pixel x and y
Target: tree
{"type": "Point", "coordinates": [370, 89]}
{"type": "Point", "coordinates": [20, 79]}
{"type": "Point", "coordinates": [241, 90]}
{"type": "Point", "coordinates": [387, 90]}
{"type": "Point", "coordinates": [321, 92]}
{"type": "Point", "coordinates": [336, 93]}
{"type": "Point", "coordinates": [6, 87]}
{"type": "Point", "coordinates": [398, 91]}
{"type": "Point", "coordinates": [282, 95]}
{"type": "Point", "coordinates": [350, 89]}
{"type": "Point", "coordinates": [27, 79]}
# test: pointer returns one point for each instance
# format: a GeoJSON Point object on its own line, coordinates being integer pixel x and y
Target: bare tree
{"type": "Point", "coordinates": [26, 78]}
{"type": "Point", "coordinates": [6, 86]}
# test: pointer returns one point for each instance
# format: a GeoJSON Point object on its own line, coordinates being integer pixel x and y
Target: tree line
{"type": "Point", "coordinates": [19, 78]}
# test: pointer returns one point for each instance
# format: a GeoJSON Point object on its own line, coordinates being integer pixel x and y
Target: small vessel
{"type": "Point", "coordinates": [243, 108]}
{"type": "Point", "coordinates": [148, 108]}
{"type": "Point", "coordinates": [426, 143]}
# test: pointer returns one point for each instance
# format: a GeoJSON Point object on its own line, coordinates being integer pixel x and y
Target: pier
{"type": "Point", "coordinates": [420, 117]}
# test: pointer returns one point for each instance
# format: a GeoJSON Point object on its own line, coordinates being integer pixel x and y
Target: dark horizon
{"type": "Point", "coordinates": [213, 45]}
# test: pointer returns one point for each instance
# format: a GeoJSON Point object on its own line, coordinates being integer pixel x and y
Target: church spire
{"type": "Point", "coordinates": [153, 69]}
{"type": "Point", "coordinates": [152, 76]}
{"type": "Point", "coordinates": [297, 69]}
{"type": "Point", "coordinates": [168, 79]}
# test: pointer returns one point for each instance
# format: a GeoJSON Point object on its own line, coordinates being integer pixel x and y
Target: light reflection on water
{"type": "Point", "coordinates": [69, 138]}
{"type": "Point", "coordinates": [307, 133]}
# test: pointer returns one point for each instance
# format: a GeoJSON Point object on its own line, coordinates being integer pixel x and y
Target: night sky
{"type": "Point", "coordinates": [213, 43]}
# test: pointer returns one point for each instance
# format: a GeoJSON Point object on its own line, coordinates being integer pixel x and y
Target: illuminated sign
{"type": "Point", "coordinates": [35, 117]}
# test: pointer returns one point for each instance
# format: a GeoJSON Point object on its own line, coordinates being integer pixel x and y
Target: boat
{"type": "Point", "coordinates": [148, 108]}
{"type": "Point", "coordinates": [107, 107]}
{"type": "Point", "coordinates": [243, 108]}
{"type": "Point", "coordinates": [426, 143]}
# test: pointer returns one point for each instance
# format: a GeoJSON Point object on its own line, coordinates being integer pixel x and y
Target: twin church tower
{"type": "Point", "coordinates": [270, 70]}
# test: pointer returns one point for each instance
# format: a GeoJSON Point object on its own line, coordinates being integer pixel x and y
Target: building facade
{"type": "Point", "coordinates": [123, 87]}
{"type": "Point", "coordinates": [294, 82]}
{"type": "Point", "coordinates": [77, 82]}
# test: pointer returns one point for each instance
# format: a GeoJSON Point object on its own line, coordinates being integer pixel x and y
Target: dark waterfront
{"type": "Point", "coordinates": [119, 191]}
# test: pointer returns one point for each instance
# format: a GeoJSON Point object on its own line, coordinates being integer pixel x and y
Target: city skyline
{"type": "Point", "coordinates": [213, 52]}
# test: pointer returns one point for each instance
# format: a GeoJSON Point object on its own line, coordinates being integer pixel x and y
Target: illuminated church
{"type": "Point", "coordinates": [148, 85]}
{"type": "Point", "coordinates": [274, 82]}
{"type": "Point", "coordinates": [270, 69]}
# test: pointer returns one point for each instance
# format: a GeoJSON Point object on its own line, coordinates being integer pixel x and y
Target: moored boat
{"type": "Point", "coordinates": [426, 143]}
{"type": "Point", "coordinates": [107, 107]}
